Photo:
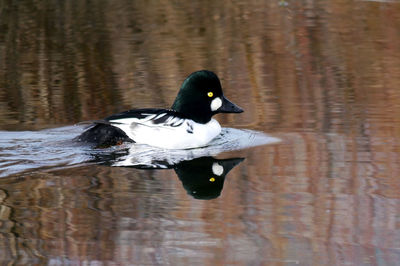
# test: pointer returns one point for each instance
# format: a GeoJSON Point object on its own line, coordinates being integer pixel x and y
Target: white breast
{"type": "Point", "coordinates": [187, 135]}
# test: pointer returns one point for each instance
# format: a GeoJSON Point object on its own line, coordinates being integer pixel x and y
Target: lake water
{"type": "Point", "coordinates": [323, 77]}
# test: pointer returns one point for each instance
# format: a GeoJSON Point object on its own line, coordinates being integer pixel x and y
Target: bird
{"type": "Point", "coordinates": [187, 124]}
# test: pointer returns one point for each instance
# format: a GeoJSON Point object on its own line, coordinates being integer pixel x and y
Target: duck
{"type": "Point", "coordinates": [187, 124]}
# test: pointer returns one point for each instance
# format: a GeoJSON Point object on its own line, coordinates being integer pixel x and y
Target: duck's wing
{"type": "Point", "coordinates": [134, 124]}
{"type": "Point", "coordinates": [148, 117]}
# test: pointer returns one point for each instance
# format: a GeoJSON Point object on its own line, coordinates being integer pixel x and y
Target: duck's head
{"type": "Point", "coordinates": [201, 97]}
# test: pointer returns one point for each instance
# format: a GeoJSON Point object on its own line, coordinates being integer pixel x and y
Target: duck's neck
{"type": "Point", "coordinates": [192, 111]}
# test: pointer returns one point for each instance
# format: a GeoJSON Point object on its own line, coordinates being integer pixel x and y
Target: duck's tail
{"type": "Point", "coordinates": [102, 134]}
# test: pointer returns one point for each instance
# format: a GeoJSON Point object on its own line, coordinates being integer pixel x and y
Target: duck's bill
{"type": "Point", "coordinates": [229, 164]}
{"type": "Point", "coordinates": [229, 107]}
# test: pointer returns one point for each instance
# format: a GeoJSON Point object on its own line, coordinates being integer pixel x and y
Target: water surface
{"type": "Point", "coordinates": [322, 76]}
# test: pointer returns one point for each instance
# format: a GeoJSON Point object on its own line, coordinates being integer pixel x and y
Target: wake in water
{"type": "Point", "coordinates": [230, 139]}
{"type": "Point", "coordinates": [54, 148]}
{"type": "Point", "coordinates": [25, 150]}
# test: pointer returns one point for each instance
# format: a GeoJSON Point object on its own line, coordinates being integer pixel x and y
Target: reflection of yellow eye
{"type": "Point", "coordinates": [210, 94]}
{"type": "Point", "coordinates": [212, 179]}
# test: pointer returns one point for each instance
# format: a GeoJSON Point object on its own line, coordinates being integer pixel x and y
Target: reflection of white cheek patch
{"type": "Point", "coordinates": [217, 169]}
{"type": "Point", "coordinates": [216, 104]}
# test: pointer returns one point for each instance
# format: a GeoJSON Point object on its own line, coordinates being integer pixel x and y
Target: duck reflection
{"type": "Point", "coordinates": [203, 178]}
{"type": "Point", "coordinates": [201, 174]}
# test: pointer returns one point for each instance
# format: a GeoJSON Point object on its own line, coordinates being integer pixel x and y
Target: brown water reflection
{"type": "Point", "coordinates": [322, 75]}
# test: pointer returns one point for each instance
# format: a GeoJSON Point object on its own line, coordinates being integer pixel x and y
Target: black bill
{"type": "Point", "coordinates": [229, 107]}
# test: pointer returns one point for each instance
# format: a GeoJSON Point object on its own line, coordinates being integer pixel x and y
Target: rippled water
{"type": "Point", "coordinates": [323, 77]}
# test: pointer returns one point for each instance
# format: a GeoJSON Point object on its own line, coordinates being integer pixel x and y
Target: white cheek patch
{"type": "Point", "coordinates": [217, 169]}
{"type": "Point", "coordinates": [216, 104]}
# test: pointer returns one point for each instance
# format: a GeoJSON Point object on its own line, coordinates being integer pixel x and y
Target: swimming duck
{"type": "Point", "coordinates": [188, 124]}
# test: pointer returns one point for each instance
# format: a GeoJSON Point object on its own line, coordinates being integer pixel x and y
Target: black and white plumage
{"type": "Point", "coordinates": [188, 124]}
{"type": "Point", "coordinates": [165, 128]}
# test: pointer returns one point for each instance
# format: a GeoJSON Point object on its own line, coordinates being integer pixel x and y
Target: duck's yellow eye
{"type": "Point", "coordinates": [212, 179]}
{"type": "Point", "coordinates": [210, 94]}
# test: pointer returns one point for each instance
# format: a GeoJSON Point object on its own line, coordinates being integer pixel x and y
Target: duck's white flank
{"type": "Point", "coordinates": [187, 135]}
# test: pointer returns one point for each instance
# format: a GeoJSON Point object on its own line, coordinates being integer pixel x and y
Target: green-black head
{"type": "Point", "coordinates": [201, 97]}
